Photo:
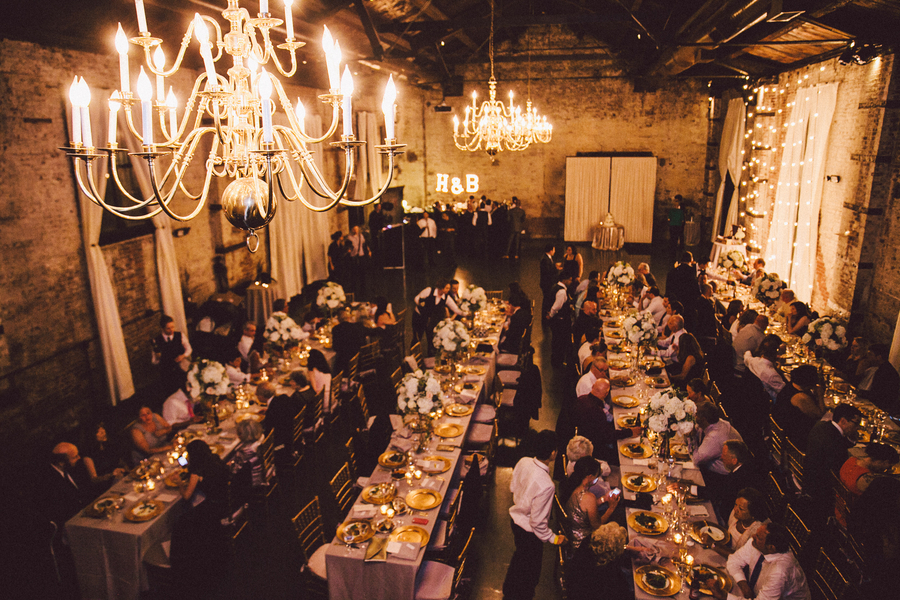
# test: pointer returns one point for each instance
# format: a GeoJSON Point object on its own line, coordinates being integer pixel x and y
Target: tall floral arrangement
{"type": "Point", "coordinates": [418, 393]}
{"type": "Point", "coordinates": [472, 299]}
{"type": "Point", "coordinates": [620, 274]}
{"type": "Point", "coordinates": [331, 296]}
{"type": "Point", "coordinates": [734, 259]}
{"type": "Point", "coordinates": [451, 336]}
{"type": "Point", "coordinates": [282, 332]}
{"type": "Point", "coordinates": [207, 380]}
{"type": "Point", "coordinates": [640, 328]}
{"type": "Point", "coordinates": [670, 412]}
{"type": "Point", "coordinates": [827, 333]}
{"type": "Point", "coordinates": [768, 288]}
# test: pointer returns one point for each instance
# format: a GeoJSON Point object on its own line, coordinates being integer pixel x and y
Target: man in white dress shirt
{"type": "Point", "coordinates": [178, 409]}
{"type": "Point", "coordinates": [668, 347]}
{"type": "Point", "coordinates": [713, 432]}
{"type": "Point", "coordinates": [763, 365]}
{"type": "Point", "coordinates": [428, 236]}
{"type": "Point", "coordinates": [656, 306]}
{"type": "Point", "coordinates": [599, 369]}
{"type": "Point", "coordinates": [245, 344]}
{"type": "Point", "coordinates": [765, 568]}
{"type": "Point", "coordinates": [748, 338]}
{"type": "Point", "coordinates": [532, 489]}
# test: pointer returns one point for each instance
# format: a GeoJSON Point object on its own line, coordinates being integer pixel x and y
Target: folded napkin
{"type": "Point", "coordinates": [479, 360]}
{"type": "Point", "coordinates": [377, 550]}
{"type": "Point", "coordinates": [396, 422]}
{"type": "Point", "coordinates": [167, 547]}
{"type": "Point", "coordinates": [688, 464]}
{"type": "Point", "coordinates": [648, 551]}
{"type": "Point", "coordinates": [362, 481]}
{"type": "Point", "coordinates": [404, 550]}
{"type": "Point", "coordinates": [226, 437]}
{"type": "Point", "coordinates": [363, 512]}
{"type": "Point", "coordinates": [401, 444]}
{"type": "Point", "coordinates": [430, 465]}
{"type": "Point", "coordinates": [403, 432]}
{"type": "Point", "coordinates": [641, 462]}
{"type": "Point", "coordinates": [433, 483]}
{"type": "Point", "coordinates": [698, 510]}
{"type": "Point", "coordinates": [468, 396]}
{"type": "Point", "coordinates": [167, 497]}
{"type": "Point", "coordinates": [132, 497]}
{"type": "Point", "coordinates": [472, 378]}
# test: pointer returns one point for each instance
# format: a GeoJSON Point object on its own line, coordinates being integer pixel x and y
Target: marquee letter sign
{"type": "Point", "coordinates": [454, 185]}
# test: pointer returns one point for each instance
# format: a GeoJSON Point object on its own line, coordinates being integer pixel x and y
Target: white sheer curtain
{"type": "Point", "coordinates": [109, 325]}
{"type": "Point", "coordinates": [314, 229]}
{"type": "Point", "coordinates": [587, 196]}
{"type": "Point", "coordinates": [285, 247]}
{"type": "Point", "coordinates": [368, 172]}
{"type": "Point", "coordinates": [730, 147]}
{"type": "Point", "coordinates": [166, 261]}
{"type": "Point", "coordinates": [793, 235]}
{"type": "Point", "coordinates": [632, 191]}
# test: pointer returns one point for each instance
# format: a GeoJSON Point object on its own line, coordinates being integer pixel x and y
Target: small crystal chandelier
{"type": "Point", "coordinates": [235, 112]}
{"type": "Point", "coordinates": [498, 126]}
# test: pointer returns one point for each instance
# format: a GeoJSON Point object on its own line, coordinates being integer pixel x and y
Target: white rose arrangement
{"type": "Point", "coordinates": [640, 328]}
{"type": "Point", "coordinates": [207, 380]}
{"type": "Point", "coordinates": [668, 413]}
{"type": "Point", "coordinates": [472, 299]}
{"type": "Point", "coordinates": [331, 296]}
{"type": "Point", "coordinates": [734, 259]}
{"type": "Point", "coordinates": [418, 393]}
{"type": "Point", "coordinates": [620, 274]}
{"type": "Point", "coordinates": [826, 332]}
{"type": "Point", "coordinates": [451, 336]}
{"type": "Point", "coordinates": [283, 332]}
{"type": "Point", "coordinates": [768, 289]}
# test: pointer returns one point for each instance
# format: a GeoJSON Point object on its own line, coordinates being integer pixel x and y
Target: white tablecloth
{"type": "Point", "coordinates": [692, 233]}
{"type": "Point", "coordinates": [720, 248]}
{"type": "Point", "coordinates": [609, 237]}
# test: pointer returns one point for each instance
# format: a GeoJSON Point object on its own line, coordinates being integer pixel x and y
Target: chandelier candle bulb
{"type": "Point", "coordinates": [289, 19]}
{"type": "Point", "coordinates": [265, 93]}
{"type": "Point", "coordinates": [387, 107]}
{"type": "Point", "coordinates": [203, 37]}
{"type": "Point", "coordinates": [122, 49]}
{"type": "Point", "coordinates": [145, 93]}
{"type": "Point", "coordinates": [159, 61]}
{"type": "Point", "coordinates": [455, 125]}
{"type": "Point", "coordinates": [172, 103]}
{"type": "Point", "coordinates": [141, 16]}
{"type": "Point", "coordinates": [263, 7]}
{"type": "Point", "coordinates": [114, 106]}
{"type": "Point", "coordinates": [300, 113]}
{"type": "Point", "coordinates": [332, 65]}
{"type": "Point", "coordinates": [85, 92]}
{"type": "Point", "coordinates": [75, 100]}
{"type": "Point", "coordinates": [347, 93]}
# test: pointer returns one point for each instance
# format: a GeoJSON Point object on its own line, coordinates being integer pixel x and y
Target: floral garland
{"type": "Point", "coordinates": [418, 393]}
{"type": "Point", "coordinates": [620, 274]}
{"type": "Point", "coordinates": [282, 332]}
{"type": "Point", "coordinates": [331, 296]}
{"type": "Point", "coordinates": [451, 336]}
{"type": "Point", "coordinates": [768, 289]}
{"type": "Point", "coordinates": [734, 259]}
{"type": "Point", "coordinates": [669, 413]}
{"type": "Point", "coordinates": [826, 332]}
{"type": "Point", "coordinates": [472, 299]}
{"type": "Point", "coordinates": [640, 328]}
{"type": "Point", "coordinates": [207, 380]}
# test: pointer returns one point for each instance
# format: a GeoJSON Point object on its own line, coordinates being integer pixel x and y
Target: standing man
{"type": "Point", "coordinates": [560, 318]}
{"type": "Point", "coordinates": [549, 277]}
{"type": "Point", "coordinates": [532, 490]}
{"type": "Point", "coordinates": [428, 236]}
{"type": "Point", "coordinates": [170, 350]}
{"type": "Point", "coordinates": [516, 219]}
{"type": "Point", "coordinates": [376, 224]}
{"type": "Point", "coordinates": [359, 255]}
{"type": "Point", "coordinates": [337, 255]}
{"type": "Point", "coordinates": [676, 224]}
{"type": "Point", "coordinates": [431, 305]}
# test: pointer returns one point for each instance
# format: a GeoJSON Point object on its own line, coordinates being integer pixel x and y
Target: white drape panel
{"type": "Point", "coordinates": [166, 261]}
{"type": "Point", "coordinates": [285, 245]}
{"type": "Point", "coordinates": [793, 235]}
{"type": "Point", "coordinates": [894, 356]}
{"type": "Point", "coordinates": [109, 325]}
{"type": "Point", "coordinates": [368, 173]}
{"type": "Point", "coordinates": [587, 196]}
{"type": "Point", "coordinates": [730, 147]}
{"type": "Point", "coordinates": [632, 190]}
{"type": "Point", "coordinates": [314, 227]}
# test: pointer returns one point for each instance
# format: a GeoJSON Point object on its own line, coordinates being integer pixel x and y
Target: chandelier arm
{"type": "Point", "coordinates": [277, 62]}
{"type": "Point", "coordinates": [164, 203]}
{"type": "Point", "coordinates": [279, 140]}
{"type": "Point", "coordinates": [131, 127]}
{"type": "Point", "coordinates": [220, 44]}
{"type": "Point", "coordinates": [313, 176]}
{"type": "Point", "coordinates": [138, 203]}
{"type": "Point", "coordinates": [258, 53]}
{"type": "Point", "coordinates": [97, 198]}
{"type": "Point", "coordinates": [292, 117]}
{"type": "Point", "coordinates": [185, 42]}
{"type": "Point", "coordinates": [173, 137]}
{"type": "Point", "coordinates": [381, 192]}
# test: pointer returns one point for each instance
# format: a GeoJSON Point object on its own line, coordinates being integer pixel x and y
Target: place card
{"type": "Point", "coordinates": [688, 464]}
{"type": "Point", "coordinates": [469, 395]}
{"type": "Point", "coordinates": [698, 510]}
{"type": "Point", "coordinates": [433, 483]}
{"type": "Point", "coordinates": [364, 512]}
{"type": "Point", "coordinates": [430, 465]}
{"type": "Point", "coordinates": [167, 497]}
{"type": "Point", "coordinates": [641, 462]}
{"type": "Point", "coordinates": [132, 497]}
{"type": "Point", "coordinates": [404, 550]}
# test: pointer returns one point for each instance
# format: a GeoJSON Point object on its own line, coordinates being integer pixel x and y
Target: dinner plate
{"type": "Point", "coordinates": [635, 450]}
{"type": "Point", "coordinates": [143, 511]}
{"type": "Point", "coordinates": [680, 451]}
{"type": "Point", "coordinates": [469, 385]}
{"type": "Point", "coordinates": [176, 478]}
{"type": "Point", "coordinates": [617, 348]}
{"type": "Point", "coordinates": [653, 362]}
{"type": "Point", "coordinates": [423, 499]}
{"type": "Point", "coordinates": [622, 382]}
{"type": "Point", "coordinates": [706, 571]}
{"type": "Point", "coordinates": [104, 504]}
{"type": "Point", "coordinates": [392, 459]}
{"type": "Point", "coordinates": [448, 430]}
{"type": "Point", "coordinates": [657, 382]}
{"type": "Point", "coordinates": [647, 523]}
{"type": "Point", "coordinates": [475, 370]}
{"type": "Point", "coordinates": [616, 334]}
{"type": "Point", "coordinates": [380, 493]}
{"type": "Point", "coordinates": [711, 528]}
{"type": "Point", "coordinates": [618, 365]}
{"type": "Point", "coordinates": [657, 581]}
{"type": "Point", "coordinates": [355, 531]}
{"type": "Point", "coordinates": [442, 369]}
{"type": "Point", "coordinates": [625, 401]}
{"type": "Point", "coordinates": [410, 533]}
{"type": "Point", "coordinates": [638, 482]}
{"type": "Point", "coordinates": [384, 525]}
{"type": "Point", "coordinates": [459, 410]}
{"type": "Point", "coordinates": [629, 420]}
{"type": "Point", "coordinates": [250, 417]}
{"type": "Point", "coordinates": [446, 463]}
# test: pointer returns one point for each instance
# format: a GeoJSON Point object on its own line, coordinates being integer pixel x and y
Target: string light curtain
{"type": "Point", "coordinates": [793, 235]}
{"type": "Point", "coordinates": [730, 160]}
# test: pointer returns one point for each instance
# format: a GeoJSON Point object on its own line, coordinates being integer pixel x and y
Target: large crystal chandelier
{"type": "Point", "coordinates": [495, 126]}
{"type": "Point", "coordinates": [235, 112]}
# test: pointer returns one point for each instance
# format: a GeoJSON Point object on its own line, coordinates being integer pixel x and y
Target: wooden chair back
{"type": "Point", "coordinates": [363, 406]}
{"type": "Point", "coordinates": [396, 378]}
{"type": "Point", "coordinates": [299, 419]}
{"type": "Point", "coordinates": [776, 441]}
{"type": "Point", "coordinates": [494, 294]}
{"type": "Point", "coordinates": [714, 392]}
{"type": "Point", "coordinates": [828, 579]}
{"type": "Point", "coordinates": [352, 370]}
{"type": "Point", "coordinates": [775, 497]}
{"type": "Point", "coordinates": [843, 498]}
{"type": "Point", "coordinates": [799, 531]}
{"type": "Point", "coordinates": [793, 459]}
{"type": "Point", "coordinates": [335, 399]}
{"type": "Point", "coordinates": [342, 488]}
{"type": "Point", "coordinates": [368, 356]}
{"type": "Point", "coordinates": [460, 567]}
{"type": "Point", "coordinates": [308, 525]}
{"type": "Point", "coordinates": [317, 407]}
{"type": "Point", "coordinates": [351, 458]}
{"type": "Point", "coordinates": [266, 451]}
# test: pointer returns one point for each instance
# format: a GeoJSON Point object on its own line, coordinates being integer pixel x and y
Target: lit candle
{"type": "Point", "coordinates": [114, 106]}
{"type": "Point", "coordinates": [172, 103]}
{"type": "Point", "coordinates": [141, 17]}
{"type": "Point", "coordinates": [387, 107]}
{"type": "Point", "coordinates": [347, 93]}
{"type": "Point", "coordinates": [384, 509]}
{"type": "Point", "coordinates": [300, 112]}
{"type": "Point", "coordinates": [205, 49]}
{"type": "Point", "coordinates": [289, 19]}
{"type": "Point", "coordinates": [159, 61]}
{"type": "Point", "coordinates": [145, 93]}
{"type": "Point", "coordinates": [85, 92]}
{"type": "Point", "coordinates": [122, 49]}
{"type": "Point", "coordinates": [151, 485]}
{"type": "Point", "coordinates": [455, 126]}
{"type": "Point", "coordinates": [332, 65]}
{"type": "Point", "coordinates": [75, 99]}
{"type": "Point", "coordinates": [265, 92]}
{"type": "Point", "coordinates": [263, 7]}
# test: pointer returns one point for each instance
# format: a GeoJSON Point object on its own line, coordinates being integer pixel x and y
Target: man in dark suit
{"type": "Point", "coordinates": [549, 277]}
{"type": "Point", "coordinates": [515, 326]}
{"type": "Point", "coordinates": [826, 451]}
{"type": "Point", "coordinates": [681, 283]}
{"type": "Point", "coordinates": [347, 337]}
{"type": "Point", "coordinates": [736, 458]}
{"type": "Point", "coordinates": [516, 218]}
{"type": "Point", "coordinates": [280, 413]}
{"type": "Point", "coordinates": [66, 489]}
{"type": "Point", "coordinates": [880, 381]}
{"type": "Point", "coordinates": [585, 320]}
{"type": "Point", "coordinates": [170, 348]}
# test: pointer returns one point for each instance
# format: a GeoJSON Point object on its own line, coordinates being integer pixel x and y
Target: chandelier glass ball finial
{"type": "Point", "coordinates": [244, 203]}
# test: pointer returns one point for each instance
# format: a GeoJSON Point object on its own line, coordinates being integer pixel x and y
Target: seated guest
{"type": "Point", "coordinates": [732, 315]}
{"type": "Point", "coordinates": [713, 432]}
{"type": "Point", "coordinates": [319, 374]}
{"type": "Point", "coordinates": [518, 317]}
{"type": "Point", "coordinates": [673, 307]}
{"type": "Point", "coordinates": [592, 293]}
{"type": "Point", "coordinates": [67, 484]}
{"type": "Point", "coordinates": [879, 382]}
{"type": "Point", "coordinates": [592, 337]}
{"type": "Point", "coordinates": [247, 465]}
{"type": "Point", "coordinates": [797, 407]}
{"type": "Point", "coordinates": [756, 273]}
{"type": "Point", "coordinates": [593, 278]}
{"type": "Point", "coordinates": [644, 269]}
{"type": "Point", "coordinates": [669, 346]}
{"type": "Point", "coordinates": [578, 447]}
{"type": "Point", "coordinates": [516, 291]}
{"type": "Point", "coordinates": [592, 417]}
{"type": "Point", "coordinates": [583, 321]}
{"type": "Point", "coordinates": [736, 458]}
{"type": "Point", "coordinates": [858, 472]}
{"type": "Point", "coordinates": [311, 321]}
{"type": "Point", "coordinates": [248, 339]}
{"type": "Point", "coordinates": [108, 458]}
{"type": "Point", "coordinates": [765, 568]}
{"type": "Point", "coordinates": [707, 321]}
{"type": "Point", "coordinates": [178, 409]}
{"type": "Point", "coordinates": [384, 313]}
{"type": "Point", "coordinates": [826, 451]}
{"type": "Point", "coordinates": [698, 392]}
{"type": "Point", "coordinates": [782, 306]}
{"type": "Point", "coordinates": [233, 369]}
{"type": "Point", "coordinates": [656, 306]}
{"type": "Point", "coordinates": [691, 361]}
{"type": "Point", "coordinates": [280, 413]}
{"type": "Point", "coordinates": [149, 435]}
{"type": "Point", "coordinates": [847, 361]}
{"type": "Point", "coordinates": [798, 319]}
{"type": "Point", "coordinates": [347, 337]}
{"type": "Point", "coordinates": [874, 524]}
{"type": "Point", "coordinates": [762, 364]}
{"type": "Point", "coordinates": [748, 339]}
{"type": "Point", "coordinates": [208, 481]}
{"type": "Point", "coordinates": [599, 370]}
{"type": "Point", "coordinates": [748, 514]}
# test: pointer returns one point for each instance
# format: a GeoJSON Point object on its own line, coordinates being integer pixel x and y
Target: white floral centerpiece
{"type": "Point", "coordinates": [640, 328]}
{"type": "Point", "coordinates": [207, 380]}
{"type": "Point", "coordinates": [768, 289]}
{"type": "Point", "coordinates": [620, 274]}
{"type": "Point", "coordinates": [419, 393]}
{"type": "Point", "coordinates": [734, 259]}
{"type": "Point", "coordinates": [451, 336]}
{"type": "Point", "coordinates": [669, 413]}
{"type": "Point", "coordinates": [283, 333]}
{"type": "Point", "coordinates": [331, 296]}
{"type": "Point", "coordinates": [472, 299]}
{"type": "Point", "coordinates": [827, 333]}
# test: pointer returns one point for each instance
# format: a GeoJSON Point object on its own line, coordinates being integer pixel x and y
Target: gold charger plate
{"type": "Point", "coordinates": [640, 521]}
{"type": "Point", "coordinates": [636, 450]}
{"type": "Point", "coordinates": [475, 370]}
{"type": "Point", "coordinates": [360, 530]}
{"type": "Point", "coordinates": [715, 531]}
{"type": "Point", "coordinates": [629, 420]}
{"type": "Point", "coordinates": [217, 449]}
{"type": "Point", "coordinates": [617, 334]}
{"type": "Point", "coordinates": [707, 571]}
{"type": "Point", "coordinates": [250, 417]}
{"type": "Point", "coordinates": [680, 451]}
{"type": "Point", "coordinates": [176, 478]}
{"type": "Point", "coordinates": [380, 493]}
{"type": "Point", "coordinates": [622, 382]}
{"type": "Point", "coordinates": [458, 410]}
{"type": "Point", "coordinates": [423, 499]}
{"type": "Point", "coordinates": [647, 574]}
{"type": "Point", "coordinates": [448, 430]}
{"type": "Point", "coordinates": [392, 459]}
{"type": "Point", "coordinates": [442, 369]}
{"type": "Point", "coordinates": [617, 348]}
{"type": "Point", "coordinates": [143, 511]}
{"type": "Point", "coordinates": [625, 401]}
{"type": "Point", "coordinates": [618, 365]}
{"type": "Point", "coordinates": [638, 482]}
{"type": "Point", "coordinates": [103, 504]}
{"type": "Point", "coordinates": [657, 382]}
{"type": "Point", "coordinates": [446, 462]}
{"type": "Point", "coordinates": [649, 363]}
{"type": "Point", "coordinates": [410, 533]}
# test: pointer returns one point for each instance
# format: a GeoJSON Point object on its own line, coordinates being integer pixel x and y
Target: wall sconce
{"type": "Point", "coordinates": [833, 178]}
{"type": "Point", "coordinates": [180, 232]}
